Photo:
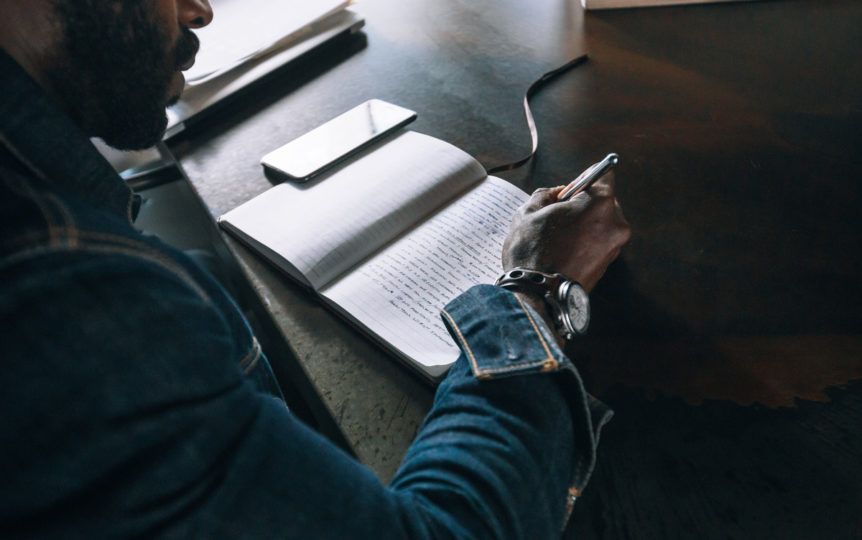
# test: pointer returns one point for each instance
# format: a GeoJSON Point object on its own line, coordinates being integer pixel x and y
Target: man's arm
{"type": "Point", "coordinates": [141, 424]}
{"type": "Point", "coordinates": [126, 427]}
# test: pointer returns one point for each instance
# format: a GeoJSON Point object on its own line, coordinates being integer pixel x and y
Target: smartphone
{"type": "Point", "coordinates": [305, 157]}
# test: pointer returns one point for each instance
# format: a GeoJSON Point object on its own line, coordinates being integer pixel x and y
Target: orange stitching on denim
{"type": "Point", "coordinates": [53, 235]}
{"type": "Point", "coordinates": [69, 222]}
{"type": "Point", "coordinates": [117, 238]}
{"type": "Point", "coordinates": [30, 239]}
{"type": "Point", "coordinates": [129, 208]}
{"type": "Point", "coordinates": [109, 237]}
{"type": "Point", "coordinates": [515, 367]}
{"type": "Point", "coordinates": [571, 499]}
{"type": "Point", "coordinates": [476, 369]}
{"type": "Point", "coordinates": [251, 357]}
{"type": "Point", "coordinates": [550, 361]}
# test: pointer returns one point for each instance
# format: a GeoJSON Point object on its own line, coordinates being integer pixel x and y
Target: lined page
{"type": "Point", "coordinates": [326, 226]}
{"type": "Point", "coordinates": [398, 293]}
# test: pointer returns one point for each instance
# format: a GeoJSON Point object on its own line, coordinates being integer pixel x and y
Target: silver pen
{"type": "Point", "coordinates": [587, 177]}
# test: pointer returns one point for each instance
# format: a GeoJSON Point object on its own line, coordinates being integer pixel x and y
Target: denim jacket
{"type": "Point", "coordinates": [134, 399]}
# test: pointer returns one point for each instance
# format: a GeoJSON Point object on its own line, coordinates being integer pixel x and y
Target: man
{"type": "Point", "coordinates": [135, 395]}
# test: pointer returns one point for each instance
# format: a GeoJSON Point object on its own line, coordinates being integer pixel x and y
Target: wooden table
{"type": "Point", "coordinates": [727, 336]}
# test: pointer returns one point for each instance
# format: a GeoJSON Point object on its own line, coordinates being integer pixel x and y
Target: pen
{"type": "Point", "coordinates": [589, 176]}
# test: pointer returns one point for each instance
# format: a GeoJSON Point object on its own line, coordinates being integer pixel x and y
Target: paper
{"type": "Point", "coordinates": [330, 224]}
{"type": "Point", "coordinates": [399, 292]}
{"type": "Point", "coordinates": [243, 29]}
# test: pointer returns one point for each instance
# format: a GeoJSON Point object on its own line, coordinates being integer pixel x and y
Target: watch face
{"type": "Point", "coordinates": [576, 304]}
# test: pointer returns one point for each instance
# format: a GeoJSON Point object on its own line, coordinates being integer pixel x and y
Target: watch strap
{"type": "Point", "coordinates": [530, 281]}
{"type": "Point", "coordinates": [551, 288]}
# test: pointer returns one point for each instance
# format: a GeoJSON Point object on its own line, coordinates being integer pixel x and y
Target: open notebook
{"type": "Point", "coordinates": [388, 239]}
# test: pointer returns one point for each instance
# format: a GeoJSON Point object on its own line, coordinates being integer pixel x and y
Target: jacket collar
{"type": "Point", "coordinates": [55, 150]}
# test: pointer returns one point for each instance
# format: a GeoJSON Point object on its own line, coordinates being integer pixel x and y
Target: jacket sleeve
{"type": "Point", "coordinates": [511, 440]}
{"type": "Point", "coordinates": [142, 424]}
{"type": "Point", "coordinates": [508, 445]}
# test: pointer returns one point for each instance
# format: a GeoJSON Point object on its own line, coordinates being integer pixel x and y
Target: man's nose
{"type": "Point", "coordinates": [194, 13]}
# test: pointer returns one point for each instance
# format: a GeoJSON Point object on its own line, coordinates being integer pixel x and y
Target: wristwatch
{"type": "Point", "coordinates": [567, 301]}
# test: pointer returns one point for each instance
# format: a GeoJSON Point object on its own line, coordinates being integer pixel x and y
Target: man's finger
{"type": "Point", "coordinates": [604, 186]}
{"type": "Point", "coordinates": [542, 197]}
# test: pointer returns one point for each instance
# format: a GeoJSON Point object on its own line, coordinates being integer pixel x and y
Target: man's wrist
{"type": "Point", "coordinates": [540, 306]}
{"type": "Point", "coordinates": [564, 301]}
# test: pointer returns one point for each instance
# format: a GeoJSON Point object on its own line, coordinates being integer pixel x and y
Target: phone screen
{"type": "Point", "coordinates": [326, 145]}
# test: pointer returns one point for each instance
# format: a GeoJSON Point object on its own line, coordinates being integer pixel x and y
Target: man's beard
{"type": "Point", "coordinates": [114, 68]}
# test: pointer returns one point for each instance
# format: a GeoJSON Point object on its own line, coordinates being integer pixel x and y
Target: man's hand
{"type": "Point", "coordinates": [578, 238]}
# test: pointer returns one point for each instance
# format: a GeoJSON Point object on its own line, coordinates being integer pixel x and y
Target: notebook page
{"type": "Point", "coordinates": [326, 226]}
{"type": "Point", "coordinates": [242, 29]}
{"type": "Point", "coordinates": [398, 293]}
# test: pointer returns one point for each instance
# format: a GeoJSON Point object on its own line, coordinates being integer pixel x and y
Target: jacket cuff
{"type": "Point", "coordinates": [502, 337]}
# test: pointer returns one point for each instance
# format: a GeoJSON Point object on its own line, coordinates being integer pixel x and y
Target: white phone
{"type": "Point", "coordinates": [307, 156]}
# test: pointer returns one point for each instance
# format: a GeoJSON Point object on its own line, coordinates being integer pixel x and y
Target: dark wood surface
{"type": "Point", "coordinates": [727, 335]}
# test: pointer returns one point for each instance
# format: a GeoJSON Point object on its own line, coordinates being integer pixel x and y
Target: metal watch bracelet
{"type": "Point", "coordinates": [567, 302]}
